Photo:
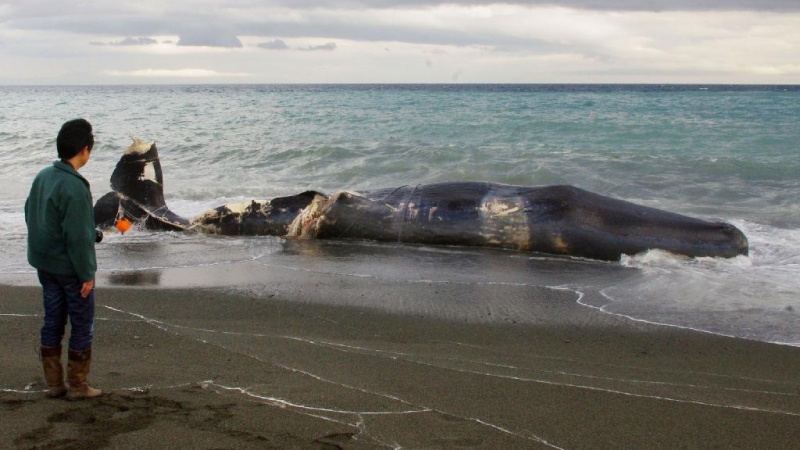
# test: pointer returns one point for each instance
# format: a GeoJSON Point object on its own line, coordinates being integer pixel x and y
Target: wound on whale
{"type": "Point", "coordinates": [560, 220]}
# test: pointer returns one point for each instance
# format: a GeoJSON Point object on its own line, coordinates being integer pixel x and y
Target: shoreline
{"type": "Point", "coordinates": [214, 367]}
{"type": "Point", "coordinates": [247, 278]}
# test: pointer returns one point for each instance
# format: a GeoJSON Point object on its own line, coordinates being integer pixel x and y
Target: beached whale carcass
{"type": "Point", "coordinates": [563, 220]}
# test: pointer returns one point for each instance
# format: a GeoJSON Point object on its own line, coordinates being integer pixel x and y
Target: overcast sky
{"type": "Point", "coordinates": [394, 41]}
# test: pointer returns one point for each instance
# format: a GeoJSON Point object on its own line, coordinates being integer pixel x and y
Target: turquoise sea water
{"type": "Point", "coordinates": [715, 152]}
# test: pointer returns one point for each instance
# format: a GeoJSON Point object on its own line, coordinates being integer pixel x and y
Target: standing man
{"type": "Point", "coordinates": [61, 238]}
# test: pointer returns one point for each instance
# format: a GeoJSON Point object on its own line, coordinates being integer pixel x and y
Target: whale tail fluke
{"type": "Point", "coordinates": [138, 185]}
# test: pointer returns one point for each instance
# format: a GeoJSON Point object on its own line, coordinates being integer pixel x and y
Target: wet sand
{"type": "Point", "coordinates": [207, 368]}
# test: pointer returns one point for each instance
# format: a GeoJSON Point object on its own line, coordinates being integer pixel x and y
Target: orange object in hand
{"type": "Point", "coordinates": [123, 225]}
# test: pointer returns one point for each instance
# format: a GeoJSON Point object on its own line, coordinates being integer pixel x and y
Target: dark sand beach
{"type": "Point", "coordinates": [217, 368]}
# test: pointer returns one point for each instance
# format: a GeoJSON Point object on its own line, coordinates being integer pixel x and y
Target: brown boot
{"type": "Point", "coordinates": [77, 375]}
{"type": "Point", "coordinates": [53, 371]}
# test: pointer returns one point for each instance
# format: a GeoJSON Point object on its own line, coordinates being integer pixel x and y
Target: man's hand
{"type": "Point", "coordinates": [86, 288]}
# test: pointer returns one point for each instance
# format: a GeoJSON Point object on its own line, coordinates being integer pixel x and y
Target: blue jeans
{"type": "Point", "coordinates": [62, 299]}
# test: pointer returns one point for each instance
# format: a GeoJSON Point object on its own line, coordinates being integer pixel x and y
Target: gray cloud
{"type": "Point", "coordinates": [128, 21]}
{"type": "Point", "coordinates": [329, 47]}
{"type": "Point", "coordinates": [129, 41]}
{"type": "Point", "coordinates": [604, 5]}
{"type": "Point", "coordinates": [136, 41]}
{"type": "Point", "coordinates": [277, 44]}
{"type": "Point", "coordinates": [578, 36]}
{"type": "Point", "coordinates": [209, 39]}
{"type": "Point", "coordinates": [181, 18]}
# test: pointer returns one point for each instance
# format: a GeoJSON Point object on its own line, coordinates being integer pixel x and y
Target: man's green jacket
{"type": "Point", "coordinates": [60, 222]}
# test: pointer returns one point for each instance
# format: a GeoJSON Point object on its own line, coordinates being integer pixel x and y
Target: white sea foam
{"type": "Point", "coordinates": [755, 296]}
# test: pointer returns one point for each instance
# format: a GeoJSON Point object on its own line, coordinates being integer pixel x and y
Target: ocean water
{"type": "Point", "coordinates": [715, 152]}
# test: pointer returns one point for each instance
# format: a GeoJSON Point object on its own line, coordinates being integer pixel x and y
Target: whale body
{"type": "Point", "coordinates": [561, 220]}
